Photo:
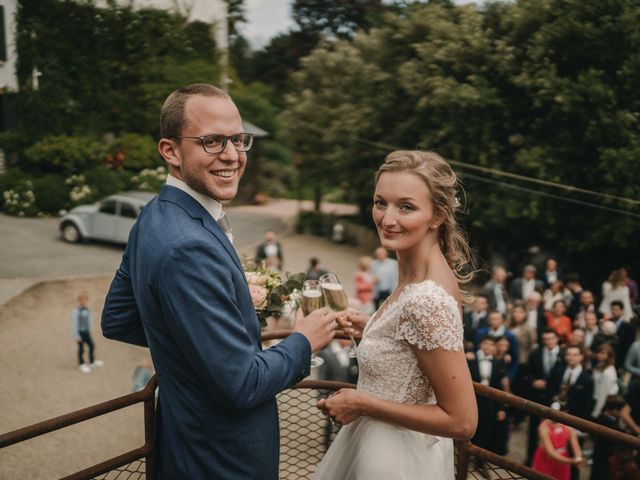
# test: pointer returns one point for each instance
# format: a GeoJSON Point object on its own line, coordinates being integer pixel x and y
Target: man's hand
{"type": "Point", "coordinates": [539, 384]}
{"type": "Point", "coordinates": [319, 327]}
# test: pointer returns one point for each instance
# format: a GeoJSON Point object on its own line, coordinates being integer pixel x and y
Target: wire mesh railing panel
{"type": "Point", "coordinates": [483, 470]}
{"type": "Point", "coordinates": [132, 471]}
{"type": "Point", "coordinates": [305, 433]}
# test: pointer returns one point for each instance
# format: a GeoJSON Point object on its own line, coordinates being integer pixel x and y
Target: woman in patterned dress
{"type": "Point", "coordinates": [414, 390]}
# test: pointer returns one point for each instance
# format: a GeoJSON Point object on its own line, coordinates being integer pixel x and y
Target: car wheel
{"type": "Point", "coordinates": [70, 233]}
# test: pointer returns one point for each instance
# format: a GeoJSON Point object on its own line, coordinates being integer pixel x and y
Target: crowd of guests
{"type": "Point", "coordinates": [546, 338]}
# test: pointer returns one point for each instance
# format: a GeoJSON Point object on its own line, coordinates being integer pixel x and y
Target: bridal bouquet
{"type": "Point", "coordinates": [271, 294]}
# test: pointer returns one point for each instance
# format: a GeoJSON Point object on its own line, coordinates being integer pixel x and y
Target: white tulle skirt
{"type": "Point", "coordinates": [369, 449]}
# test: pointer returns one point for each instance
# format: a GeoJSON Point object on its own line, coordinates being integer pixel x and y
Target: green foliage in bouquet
{"type": "Point", "coordinates": [271, 294]}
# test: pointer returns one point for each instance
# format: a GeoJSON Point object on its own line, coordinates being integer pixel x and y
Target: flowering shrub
{"type": "Point", "coordinates": [272, 295]}
{"type": "Point", "coordinates": [20, 200]}
{"type": "Point", "coordinates": [150, 179]}
{"type": "Point", "coordinates": [80, 191]}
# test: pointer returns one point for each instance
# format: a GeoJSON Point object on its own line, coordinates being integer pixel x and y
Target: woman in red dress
{"type": "Point", "coordinates": [552, 455]}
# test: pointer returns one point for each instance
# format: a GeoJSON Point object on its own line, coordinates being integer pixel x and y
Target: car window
{"type": "Point", "coordinates": [108, 207]}
{"type": "Point", "coordinates": [128, 211]}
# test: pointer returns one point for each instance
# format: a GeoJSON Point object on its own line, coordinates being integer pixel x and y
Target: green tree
{"type": "Point", "coordinates": [537, 88]}
{"type": "Point", "coordinates": [336, 18]}
{"type": "Point", "coordinates": [103, 69]}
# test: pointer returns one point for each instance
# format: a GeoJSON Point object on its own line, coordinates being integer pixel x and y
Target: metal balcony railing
{"type": "Point", "coordinates": [305, 434]}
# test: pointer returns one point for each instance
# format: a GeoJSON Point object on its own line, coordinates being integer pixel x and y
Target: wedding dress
{"type": "Point", "coordinates": [423, 315]}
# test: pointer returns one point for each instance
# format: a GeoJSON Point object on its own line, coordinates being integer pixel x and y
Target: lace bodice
{"type": "Point", "coordinates": [423, 315]}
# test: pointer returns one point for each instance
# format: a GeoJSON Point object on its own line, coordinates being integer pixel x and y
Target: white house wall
{"type": "Point", "coordinates": [8, 67]}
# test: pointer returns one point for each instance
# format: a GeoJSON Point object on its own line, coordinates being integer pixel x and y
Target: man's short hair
{"type": "Point", "coordinates": [617, 303]}
{"type": "Point", "coordinates": [530, 268]}
{"type": "Point", "coordinates": [578, 347]}
{"type": "Point", "coordinates": [487, 338]}
{"type": "Point", "coordinates": [172, 113]}
{"type": "Point", "coordinates": [549, 330]}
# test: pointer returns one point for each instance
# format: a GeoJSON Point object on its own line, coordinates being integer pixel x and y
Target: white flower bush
{"type": "Point", "coordinates": [80, 191]}
{"type": "Point", "coordinates": [21, 200]}
{"type": "Point", "coordinates": [149, 179]}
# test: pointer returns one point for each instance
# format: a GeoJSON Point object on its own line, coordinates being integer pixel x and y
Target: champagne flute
{"type": "Point", "coordinates": [336, 299]}
{"type": "Point", "coordinates": [312, 300]}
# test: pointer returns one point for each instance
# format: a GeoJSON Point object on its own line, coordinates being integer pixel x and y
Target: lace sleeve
{"type": "Point", "coordinates": [430, 319]}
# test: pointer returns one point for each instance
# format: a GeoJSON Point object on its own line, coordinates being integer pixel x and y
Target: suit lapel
{"type": "Point", "coordinates": [197, 211]}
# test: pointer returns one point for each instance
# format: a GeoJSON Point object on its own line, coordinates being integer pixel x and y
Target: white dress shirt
{"type": "Point", "coordinates": [571, 375]}
{"type": "Point", "coordinates": [549, 358]}
{"type": "Point", "coordinates": [485, 366]}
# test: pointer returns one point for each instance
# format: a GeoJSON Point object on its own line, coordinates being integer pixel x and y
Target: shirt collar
{"type": "Point", "coordinates": [500, 332]}
{"type": "Point", "coordinates": [576, 371]}
{"type": "Point", "coordinates": [209, 204]}
{"type": "Point", "coordinates": [481, 356]}
{"type": "Point", "coordinates": [555, 350]}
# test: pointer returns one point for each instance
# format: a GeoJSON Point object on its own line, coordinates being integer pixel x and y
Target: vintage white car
{"type": "Point", "coordinates": [108, 220]}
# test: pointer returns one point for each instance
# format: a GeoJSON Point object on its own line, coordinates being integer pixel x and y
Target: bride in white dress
{"type": "Point", "coordinates": [414, 390]}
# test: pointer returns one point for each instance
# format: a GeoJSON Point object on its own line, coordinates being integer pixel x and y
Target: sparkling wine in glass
{"type": "Point", "coordinates": [336, 299]}
{"type": "Point", "coordinates": [312, 300]}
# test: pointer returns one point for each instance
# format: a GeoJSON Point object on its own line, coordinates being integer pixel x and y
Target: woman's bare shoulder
{"type": "Point", "coordinates": [444, 277]}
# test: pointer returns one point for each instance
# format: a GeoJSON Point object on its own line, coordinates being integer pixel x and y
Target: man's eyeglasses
{"type": "Point", "coordinates": [216, 142]}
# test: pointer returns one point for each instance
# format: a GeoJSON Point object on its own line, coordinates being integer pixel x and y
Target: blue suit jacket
{"type": "Point", "coordinates": [180, 290]}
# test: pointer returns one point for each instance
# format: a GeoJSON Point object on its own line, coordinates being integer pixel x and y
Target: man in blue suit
{"type": "Point", "coordinates": [181, 291]}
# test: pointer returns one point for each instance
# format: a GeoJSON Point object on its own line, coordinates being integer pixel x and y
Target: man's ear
{"type": "Point", "coordinates": [169, 151]}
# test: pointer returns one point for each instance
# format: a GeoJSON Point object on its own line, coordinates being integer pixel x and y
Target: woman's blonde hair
{"type": "Point", "coordinates": [443, 185]}
{"type": "Point", "coordinates": [364, 262]}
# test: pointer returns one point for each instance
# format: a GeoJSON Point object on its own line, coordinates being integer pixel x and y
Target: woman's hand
{"type": "Point", "coordinates": [343, 406]}
{"type": "Point", "coordinates": [353, 322]}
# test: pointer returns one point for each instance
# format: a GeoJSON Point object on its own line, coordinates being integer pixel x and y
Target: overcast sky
{"type": "Point", "coordinates": [266, 18]}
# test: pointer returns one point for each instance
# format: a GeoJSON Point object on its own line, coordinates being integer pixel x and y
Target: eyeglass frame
{"type": "Point", "coordinates": [224, 143]}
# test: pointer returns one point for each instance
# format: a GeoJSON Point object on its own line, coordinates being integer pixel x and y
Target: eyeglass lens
{"type": "Point", "coordinates": [216, 143]}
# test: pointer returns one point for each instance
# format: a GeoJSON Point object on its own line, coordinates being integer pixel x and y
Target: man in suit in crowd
{"type": "Point", "coordinates": [535, 314]}
{"type": "Point", "coordinates": [473, 320]}
{"type": "Point", "coordinates": [586, 304]}
{"type": "Point", "coordinates": [495, 290]}
{"type": "Point", "coordinates": [521, 287]}
{"type": "Point", "coordinates": [543, 377]}
{"type": "Point", "coordinates": [181, 290]}
{"type": "Point", "coordinates": [488, 370]}
{"type": "Point", "coordinates": [270, 251]}
{"type": "Point", "coordinates": [576, 389]}
{"type": "Point", "coordinates": [497, 329]}
{"type": "Point", "coordinates": [551, 273]}
{"type": "Point", "coordinates": [625, 331]}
